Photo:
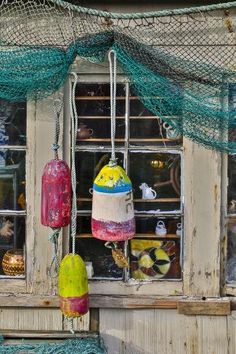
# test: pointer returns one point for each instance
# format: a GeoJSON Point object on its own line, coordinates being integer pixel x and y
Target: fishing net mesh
{"type": "Point", "coordinates": [181, 64]}
{"type": "Point", "coordinates": [75, 346]}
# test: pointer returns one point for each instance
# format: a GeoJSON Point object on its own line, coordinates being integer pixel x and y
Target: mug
{"type": "Point", "coordinates": [171, 133]}
{"type": "Point", "coordinates": [84, 132]}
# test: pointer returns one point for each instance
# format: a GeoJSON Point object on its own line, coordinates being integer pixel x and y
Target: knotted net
{"type": "Point", "coordinates": [70, 346]}
{"type": "Point", "coordinates": [181, 63]}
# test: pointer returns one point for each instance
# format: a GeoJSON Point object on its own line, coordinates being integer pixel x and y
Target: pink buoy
{"type": "Point", "coordinates": [56, 194]}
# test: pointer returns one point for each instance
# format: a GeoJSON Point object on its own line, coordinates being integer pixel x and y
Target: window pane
{"type": "Point", "coordinates": [12, 238]}
{"type": "Point", "coordinates": [155, 259]}
{"type": "Point", "coordinates": [12, 123]}
{"type": "Point", "coordinates": [12, 180]}
{"type": "Point", "coordinates": [147, 129]}
{"type": "Point", "coordinates": [156, 181]}
{"type": "Point", "coordinates": [231, 252]}
{"type": "Point", "coordinates": [88, 165]}
{"type": "Point", "coordinates": [99, 258]}
{"type": "Point", "coordinates": [231, 184]}
{"type": "Point", "coordinates": [155, 227]}
{"type": "Point", "coordinates": [94, 100]}
{"type": "Point", "coordinates": [232, 107]}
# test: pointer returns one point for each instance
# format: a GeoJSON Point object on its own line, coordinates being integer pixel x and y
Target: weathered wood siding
{"type": "Point", "coordinates": [166, 332]}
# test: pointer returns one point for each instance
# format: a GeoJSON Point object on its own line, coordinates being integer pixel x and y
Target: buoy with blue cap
{"type": "Point", "coordinates": [113, 210]}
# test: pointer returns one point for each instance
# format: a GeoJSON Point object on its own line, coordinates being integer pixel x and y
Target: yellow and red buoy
{"type": "Point", "coordinates": [73, 286]}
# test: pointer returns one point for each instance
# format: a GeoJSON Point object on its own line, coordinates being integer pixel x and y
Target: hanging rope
{"type": "Point", "coordinates": [140, 15]}
{"type": "Point", "coordinates": [113, 68]}
{"type": "Point", "coordinates": [55, 261]}
{"type": "Point", "coordinates": [57, 105]}
{"type": "Point", "coordinates": [74, 127]}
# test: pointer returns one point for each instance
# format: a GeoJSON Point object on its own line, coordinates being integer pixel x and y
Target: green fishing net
{"type": "Point", "coordinates": [71, 346]}
{"type": "Point", "coordinates": [181, 63]}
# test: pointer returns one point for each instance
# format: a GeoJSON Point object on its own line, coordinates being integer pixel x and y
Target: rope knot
{"type": "Point", "coordinates": [55, 146]}
{"type": "Point", "coordinates": [54, 239]}
{"type": "Point", "coordinates": [112, 162]}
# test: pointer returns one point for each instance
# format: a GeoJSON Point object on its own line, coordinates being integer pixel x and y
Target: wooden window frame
{"type": "Point", "coordinates": [202, 189]}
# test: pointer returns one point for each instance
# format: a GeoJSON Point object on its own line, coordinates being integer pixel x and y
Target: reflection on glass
{"type": "Point", "coordinates": [12, 236]}
{"type": "Point", "coordinates": [12, 180]}
{"type": "Point", "coordinates": [100, 258]}
{"type": "Point", "coordinates": [12, 123]}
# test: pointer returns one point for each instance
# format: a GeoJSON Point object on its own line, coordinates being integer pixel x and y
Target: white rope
{"type": "Point", "coordinates": [57, 105]}
{"type": "Point", "coordinates": [74, 127]}
{"type": "Point", "coordinates": [55, 261]}
{"type": "Point", "coordinates": [71, 323]}
{"type": "Point", "coordinates": [113, 66]}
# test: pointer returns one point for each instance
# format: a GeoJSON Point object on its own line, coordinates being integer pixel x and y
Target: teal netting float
{"type": "Point", "coordinates": [75, 346]}
{"type": "Point", "coordinates": [181, 63]}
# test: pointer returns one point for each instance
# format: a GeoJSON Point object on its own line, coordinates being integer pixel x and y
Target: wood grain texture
{"type": "Point", "coordinates": [47, 334]}
{"type": "Point", "coordinates": [34, 319]}
{"type": "Point", "coordinates": [39, 248]}
{"type": "Point", "coordinates": [30, 319]}
{"type": "Point", "coordinates": [231, 328]}
{"type": "Point", "coordinates": [202, 177]}
{"type": "Point", "coordinates": [95, 301]}
{"type": "Point", "coordinates": [162, 331]}
{"type": "Point", "coordinates": [205, 307]}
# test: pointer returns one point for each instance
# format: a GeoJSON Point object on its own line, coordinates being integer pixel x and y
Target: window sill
{"type": "Point", "coordinates": [13, 286]}
{"type": "Point", "coordinates": [133, 287]}
{"type": "Point", "coordinates": [184, 305]}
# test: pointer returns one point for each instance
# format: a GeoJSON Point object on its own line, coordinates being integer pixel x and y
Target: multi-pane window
{"type": "Point", "coordinates": [151, 154]}
{"type": "Point", "coordinates": [12, 188]}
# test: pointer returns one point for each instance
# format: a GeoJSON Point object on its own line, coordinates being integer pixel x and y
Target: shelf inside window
{"type": "Point", "coordinates": [130, 117]}
{"type": "Point", "coordinates": [143, 235]}
{"type": "Point", "coordinates": [132, 140]}
{"type": "Point", "coordinates": [158, 200]}
{"type": "Point", "coordinates": [103, 98]}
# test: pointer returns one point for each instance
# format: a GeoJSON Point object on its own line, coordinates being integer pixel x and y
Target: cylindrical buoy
{"type": "Point", "coordinates": [112, 211]}
{"type": "Point", "coordinates": [73, 286]}
{"type": "Point", "coordinates": [56, 194]}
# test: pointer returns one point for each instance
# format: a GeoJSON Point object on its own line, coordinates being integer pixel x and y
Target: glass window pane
{"type": "Point", "coordinates": [94, 100]}
{"type": "Point", "coordinates": [88, 165]}
{"type": "Point", "coordinates": [12, 240]}
{"type": "Point", "coordinates": [148, 129]}
{"type": "Point", "coordinates": [98, 132]}
{"type": "Point", "coordinates": [158, 227]}
{"type": "Point", "coordinates": [99, 258]}
{"type": "Point", "coordinates": [12, 180]}
{"type": "Point", "coordinates": [12, 123]}
{"type": "Point", "coordinates": [231, 184]}
{"type": "Point", "coordinates": [231, 252]}
{"type": "Point", "coordinates": [155, 259]}
{"type": "Point", "coordinates": [156, 181]}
